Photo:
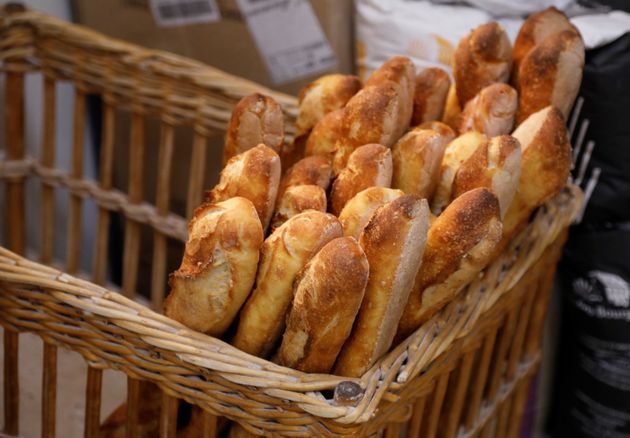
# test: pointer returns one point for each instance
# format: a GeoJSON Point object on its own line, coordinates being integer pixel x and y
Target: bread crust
{"type": "Point", "coordinates": [255, 175]}
{"type": "Point", "coordinates": [369, 165]}
{"type": "Point", "coordinates": [472, 221]}
{"type": "Point", "coordinates": [393, 241]}
{"type": "Point", "coordinates": [452, 108]}
{"type": "Point", "coordinates": [284, 253]}
{"type": "Point", "coordinates": [328, 294]}
{"type": "Point", "coordinates": [432, 85]}
{"type": "Point", "coordinates": [297, 199]}
{"type": "Point", "coordinates": [218, 268]}
{"type": "Point", "coordinates": [456, 152]}
{"type": "Point", "coordinates": [315, 170]}
{"type": "Point", "coordinates": [323, 138]}
{"type": "Point", "coordinates": [550, 74]}
{"type": "Point", "coordinates": [358, 210]}
{"type": "Point", "coordinates": [481, 58]}
{"type": "Point", "coordinates": [255, 119]}
{"type": "Point", "coordinates": [441, 128]}
{"type": "Point", "coordinates": [416, 158]}
{"type": "Point", "coordinates": [495, 166]}
{"type": "Point", "coordinates": [490, 112]}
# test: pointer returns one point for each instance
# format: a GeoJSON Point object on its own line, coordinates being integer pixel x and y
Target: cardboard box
{"type": "Point", "coordinates": [227, 44]}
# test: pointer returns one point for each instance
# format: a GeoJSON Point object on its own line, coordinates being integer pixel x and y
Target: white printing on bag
{"type": "Point", "coordinates": [182, 12]}
{"type": "Point", "coordinates": [289, 38]}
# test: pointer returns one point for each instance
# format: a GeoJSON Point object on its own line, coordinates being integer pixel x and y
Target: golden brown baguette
{"type": "Point", "coordinates": [323, 138]}
{"type": "Point", "coordinates": [380, 112]}
{"type": "Point", "coordinates": [457, 151]}
{"type": "Point", "coordinates": [297, 199]}
{"type": "Point", "coordinates": [481, 58]}
{"type": "Point", "coordinates": [417, 157]}
{"type": "Point", "coordinates": [255, 175]}
{"type": "Point", "coordinates": [545, 165]}
{"type": "Point", "coordinates": [441, 128]}
{"type": "Point", "coordinates": [432, 85]}
{"type": "Point", "coordinates": [328, 294]}
{"type": "Point", "coordinates": [393, 241]}
{"type": "Point", "coordinates": [368, 166]}
{"type": "Point", "coordinates": [490, 112]}
{"type": "Point", "coordinates": [535, 30]}
{"type": "Point", "coordinates": [358, 210]}
{"type": "Point", "coordinates": [283, 255]}
{"type": "Point", "coordinates": [496, 166]}
{"type": "Point", "coordinates": [458, 245]}
{"type": "Point", "coordinates": [314, 170]}
{"type": "Point", "coordinates": [218, 267]}
{"type": "Point", "coordinates": [550, 74]}
{"type": "Point", "coordinates": [255, 119]}
{"type": "Point", "coordinates": [452, 108]}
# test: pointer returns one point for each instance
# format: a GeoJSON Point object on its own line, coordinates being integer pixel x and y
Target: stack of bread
{"type": "Point", "coordinates": [321, 253]}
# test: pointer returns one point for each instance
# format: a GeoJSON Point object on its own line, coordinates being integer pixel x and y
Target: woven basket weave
{"type": "Point", "coordinates": [467, 370]}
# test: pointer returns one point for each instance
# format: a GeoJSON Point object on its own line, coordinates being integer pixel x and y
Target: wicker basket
{"type": "Point", "coordinates": [466, 371]}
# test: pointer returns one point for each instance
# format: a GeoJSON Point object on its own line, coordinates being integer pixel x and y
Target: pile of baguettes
{"type": "Point", "coordinates": [383, 212]}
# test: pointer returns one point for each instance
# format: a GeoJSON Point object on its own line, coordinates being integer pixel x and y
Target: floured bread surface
{"type": "Point", "coordinates": [432, 85]}
{"type": "Point", "coordinates": [490, 112]}
{"type": "Point", "coordinates": [393, 241]}
{"type": "Point", "coordinates": [328, 294]}
{"type": "Point", "coordinates": [255, 119]}
{"type": "Point", "coordinates": [470, 219]}
{"type": "Point", "coordinates": [284, 253]}
{"type": "Point", "coordinates": [297, 199]}
{"type": "Point", "coordinates": [310, 170]}
{"type": "Point", "coordinates": [255, 175]}
{"type": "Point", "coordinates": [218, 267]}
{"type": "Point", "coordinates": [358, 210]}
{"type": "Point", "coordinates": [323, 138]}
{"type": "Point", "coordinates": [368, 166]}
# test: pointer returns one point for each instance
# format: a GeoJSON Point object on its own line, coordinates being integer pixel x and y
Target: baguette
{"type": "Point", "coordinates": [459, 243]}
{"type": "Point", "coordinates": [535, 29]}
{"type": "Point", "coordinates": [297, 199]}
{"type": "Point", "coordinates": [441, 128]}
{"type": "Point", "coordinates": [416, 158]}
{"type": "Point", "coordinates": [457, 151]}
{"type": "Point", "coordinates": [452, 108]}
{"type": "Point", "coordinates": [323, 138]}
{"type": "Point", "coordinates": [545, 165]}
{"type": "Point", "coordinates": [368, 166]}
{"type": "Point", "coordinates": [393, 241]}
{"type": "Point", "coordinates": [255, 119]}
{"type": "Point", "coordinates": [358, 210]}
{"type": "Point", "coordinates": [550, 74]}
{"type": "Point", "coordinates": [496, 166]}
{"type": "Point", "coordinates": [313, 170]}
{"type": "Point", "coordinates": [284, 253]}
{"type": "Point", "coordinates": [255, 175]}
{"type": "Point", "coordinates": [218, 268]}
{"type": "Point", "coordinates": [490, 112]}
{"type": "Point", "coordinates": [432, 85]}
{"type": "Point", "coordinates": [328, 294]}
{"type": "Point", "coordinates": [481, 58]}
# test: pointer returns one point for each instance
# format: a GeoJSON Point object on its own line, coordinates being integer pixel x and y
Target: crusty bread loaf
{"type": "Point", "coordinates": [481, 58]}
{"type": "Point", "coordinates": [325, 94]}
{"type": "Point", "coordinates": [432, 85]}
{"type": "Point", "coordinates": [496, 166]}
{"type": "Point", "coordinates": [255, 175]}
{"type": "Point", "coordinates": [441, 128]}
{"type": "Point", "coordinates": [393, 241]}
{"type": "Point", "coordinates": [490, 112]}
{"type": "Point", "coordinates": [380, 112]}
{"type": "Point", "coordinates": [534, 31]}
{"type": "Point", "coordinates": [297, 199]}
{"type": "Point", "coordinates": [314, 170]}
{"type": "Point", "coordinates": [452, 108]}
{"type": "Point", "coordinates": [545, 165]}
{"type": "Point", "coordinates": [358, 210]}
{"type": "Point", "coordinates": [284, 253]}
{"type": "Point", "coordinates": [417, 157]}
{"type": "Point", "coordinates": [328, 294]}
{"type": "Point", "coordinates": [368, 166]}
{"type": "Point", "coordinates": [323, 138]}
{"type": "Point", "coordinates": [466, 231]}
{"type": "Point", "coordinates": [255, 119]}
{"type": "Point", "coordinates": [550, 74]}
{"type": "Point", "coordinates": [218, 267]}
{"type": "Point", "coordinates": [457, 151]}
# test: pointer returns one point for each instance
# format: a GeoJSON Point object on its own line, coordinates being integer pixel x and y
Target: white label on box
{"type": "Point", "coordinates": [289, 38]}
{"type": "Point", "coordinates": [182, 12]}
